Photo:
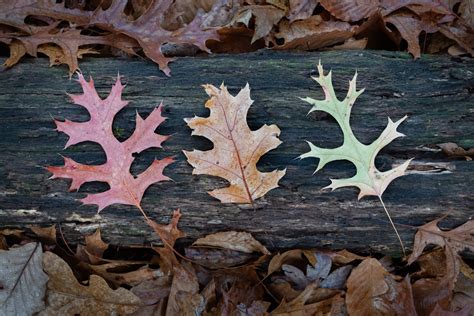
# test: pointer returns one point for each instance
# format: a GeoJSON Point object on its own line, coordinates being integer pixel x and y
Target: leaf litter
{"type": "Point", "coordinates": [161, 30]}
{"type": "Point", "coordinates": [434, 281]}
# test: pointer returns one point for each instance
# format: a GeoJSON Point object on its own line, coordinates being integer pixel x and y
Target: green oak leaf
{"type": "Point", "coordinates": [368, 178]}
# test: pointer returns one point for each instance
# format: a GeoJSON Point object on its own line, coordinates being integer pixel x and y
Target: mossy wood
{"type": "Point", "coordinates": [436, 92]}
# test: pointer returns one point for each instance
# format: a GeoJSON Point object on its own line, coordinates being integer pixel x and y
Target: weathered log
{"type": "Point", "coordinates": [435, 91]}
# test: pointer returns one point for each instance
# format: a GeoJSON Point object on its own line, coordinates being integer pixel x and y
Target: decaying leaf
{"type": "Point", "coordinates": [429, 292]}
{"type": "Point", "coordinates": [148, 32]}
{"type": "Point", "coordinates": [288, 257]}
{"type": "Point", "coordinates": [3, 243]}
{"type": "Point", "coordinates": [17, 51]}
{"type": "Point", "coordinates": [184, 296]}
{"type": "Point", "coordinates": [168, 234]}
{"type": "Point", "coordinates": [349, 10]}
{"type": "Point", "coordinates": [461, 34]}
{"type": "Point", "coordinates": [22, 280]}
{"type": "Point", "coordinates": [236, 148]}
{"type": "Point", "coordinates": [368, 178]}
{"type": "Point", "coordinates": [301, 9]}
{"type": "Point", "coordinates": [410, 25]}
{"type": "Point", "coordinates": [298, 306]}
{"type": "Point", "coordinates": [344, 257]}
{"type": "Point", "coordinates": [265, 17]}
{"type": "Point", "coordinates": [95, 247]}
{"type": "Point", "coordinates": [153, 294]}
{"type": "Point", "coordinates": [131, 278]}
{"type": "Point", "coordinates": [453, 241]}
{"type": "Point", "coordinates": [371, 290]}
{"type": "Point", "coordinates": [455, 151]}
{"type": "Point", "coordinates": [124, 187]}
{"type": "Point", "coordinates": [240, 241]}
{"type": "Point", "coordinates": [466, 8]}
{"type": "Point", "coordinates": [58, 57]}
{"type": "Point", "coordinates": [47, 235]}
{"type": "Point", "coordinates": [67, 296]}
{"type": "Point", "coordinates": [313, 33]}
{"type": "Point", "coordinates": [239, 289]}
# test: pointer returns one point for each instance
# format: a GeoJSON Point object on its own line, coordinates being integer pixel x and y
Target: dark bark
{"type": "Point", "coordinates": [435, 91]}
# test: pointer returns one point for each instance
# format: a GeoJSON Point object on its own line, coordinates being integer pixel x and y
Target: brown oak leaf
{"type": "Point", "coordinates": [236, 148]}
{"type": "Point", "coordinates": [125, 188]}
{"type": "Point", "coordinates": [266, 16]}
{"type": "Point", "coordinates": [66, 296]}
{"type": "Point", "coordinates": [149, 33]}
{"type": "Point", "coordinates": [453, 241]}
{"type": "Point", "coordinates": [349, 10]}
{"type": "Point", "coordinates": [372, 290]}
{"type": "Point", "coordinates": [313, 33]}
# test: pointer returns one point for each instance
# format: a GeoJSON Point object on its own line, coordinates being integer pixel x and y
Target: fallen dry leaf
{"type": "Point", "coordinates": [235, 40]}
{"type": "Point", "coordinates": [17, 51]}
{"type": "Point", "coordinates": [266, 16]}
{"type": "Point", "coordinates": [461, 34]}
{"type": "Point", "coordinates": [58, 57]}
{"type": "Point", "coordinates": [153, 294]}
{"type": "Point", "coordinates": [236, 150]}
{"type": "Point", "coordinates": [217, 258]}
{"type": "Point", "coordinates": [439, 311]}
{"type": "Point", "coordinates": [67, 41]}
{"type": "Point", "coordinates": [351, 44]}
{"type": "Point", "coordinates": [300, 9]}
{"type": "Point", "coordinates": [47, 235]}
{"type": "Point", "coordinates": [22, 280]}
{"type": "Point", "coordinates": [455, 151]}
{"type": "Point", "coordinates": [432, 264]}
{"type": "Point", "coordinates": [240, 241]}
{"type": "Point", "coordinates": [453, 241]}
{"type": "Point", "coordinates": [168, 234]}
{"type": "Point", "coordinates": [343, 257]}
{"type": "Point", "coordinates": [125, 188]}
{"type": "Point", "coordinates": [456, 50]}
{"type": "Point", "coordinates": [297, 307]}
{"type": "Point", "coordinates": [95, 247]}
{"type": "Point", "coordinates": [371, 290]}
{"type": "Point", "coordinates": [184, 298]}
{"type": "Point", "coordinates": [313, 33]}
{"type": "Point", "coordinates": [410, 27]}
{"type": "Point", "coordinates": [131, 278]}
{"type": "Point", "coordinates": [463, 294]}
{"type": "Point", "coordinates": [3, 243]}
{"type": "Point", "coordinates": [429, 292]}
{"type": "Point", "coordinates": [237, 287]}
{"type": "Point", "coordinates": [466, 9]}
{"type": "Point", "coordinates": [66, 296]}
{"type": "Point", "coordinates": [290, 256]}
{"type": "Point", "coordinates": [350, 10]}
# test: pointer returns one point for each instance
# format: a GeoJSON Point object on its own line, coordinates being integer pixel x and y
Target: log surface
{"type": "Point", "coordinates": [436, 92]}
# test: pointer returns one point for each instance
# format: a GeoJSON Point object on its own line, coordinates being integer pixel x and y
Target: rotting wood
{"type": "Point", "coordinates": [436, 92]}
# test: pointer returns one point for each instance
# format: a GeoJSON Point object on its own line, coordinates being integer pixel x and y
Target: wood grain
{"type": "Point", "coordinates": [435, 91]}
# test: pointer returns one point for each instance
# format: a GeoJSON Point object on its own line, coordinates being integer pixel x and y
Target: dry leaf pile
{"type": "Point", "coordinates": [231, 273]}
{"type": "Point", "coordinates": [67, 30]}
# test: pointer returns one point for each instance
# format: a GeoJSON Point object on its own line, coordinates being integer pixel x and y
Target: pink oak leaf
{"type": "Point", "coordinates": [125, 188]}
